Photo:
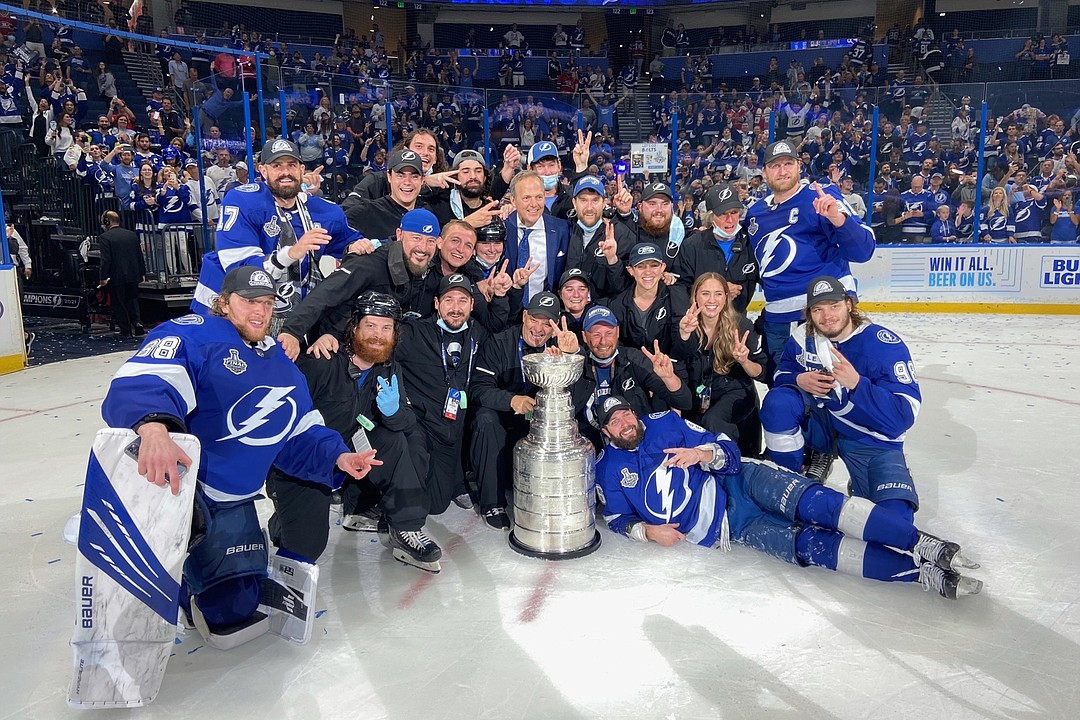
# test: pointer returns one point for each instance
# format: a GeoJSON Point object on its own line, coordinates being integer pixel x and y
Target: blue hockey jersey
{"type": "Point", "coordinates": [636, 486]}
{"type": "Point", "coordinates": [794, 244]}
{"type": "Point", "coordinates": [885, 403]}
{"type": "Point", "coordinates": [249, 406]}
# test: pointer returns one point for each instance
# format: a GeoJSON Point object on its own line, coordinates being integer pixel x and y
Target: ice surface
{"type": "Point", "coordinates": [631, 631]}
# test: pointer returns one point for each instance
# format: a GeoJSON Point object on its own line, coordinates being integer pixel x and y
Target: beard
{"type": "Point", "coordinates": [252, 337]}
{"type": "Point", "coordinates": [373, 351]}
{"type": "Point", "coordinates": [472, 191]}
{"type": "Point", "coordinates": [285, 193]}
{"type": "Point", "coordinates": [656, 228]}
{"type": "Point", "coordinates": [632, 442]}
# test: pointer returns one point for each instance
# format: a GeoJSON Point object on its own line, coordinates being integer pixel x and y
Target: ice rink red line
{"type": "Point", "coordinates": [536, 599]}
{"type": "Point", "coordinates": [28, 413]}
{"type": "Point", "coordinates": [1037, 396]}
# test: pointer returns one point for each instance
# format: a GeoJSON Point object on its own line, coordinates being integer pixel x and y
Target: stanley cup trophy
{"type": "Point", "coordinates": [554, 468]}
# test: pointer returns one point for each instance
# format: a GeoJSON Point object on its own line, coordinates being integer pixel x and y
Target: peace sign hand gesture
{"type": "Point", "coordinates": [827, 206]}
{"type": "Point", "coordinates": [581, 151]}
{"type": "Point", "coordinates": [500, 281]}
{"type": "Point", "coordinates": [624, 201]}
{"type": "Point", "coordinates": [843, 371]}
{"type": "Point", "coordinates": [522, 275]}
{"type": "Point", "coordinates": [661, 363]}
{"type": "Point", "coordinates": [565, 338]}
{"type": "Point", "coordinates": [689, 322]}
{"type": "Point", "coordinates": [740, 351]}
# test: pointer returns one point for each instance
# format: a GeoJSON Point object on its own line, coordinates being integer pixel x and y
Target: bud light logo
{"type": "Point", "coordinates": [1060, 272]}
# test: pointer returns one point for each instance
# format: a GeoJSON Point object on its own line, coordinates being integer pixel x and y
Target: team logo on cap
{"type": "Point", "coordinates": [456, 278]}
{"type": "Point", "coordinates": [408, 155]}
{"type": "Point", "coordinates": [659, 187]}
{"type": "Point", "coordinates": [546, 302]}
{"type": "Point", "coordinates": [781, 147]}
{"type": "Point", "coordinates": [822, 287]}
{"type": "Point", "coordinates": [574, 272]}
{"type": "Point", "coordinates": [281, 146]}
{"type": "Point", "coordinates": [428, 229]}
{"type": "Point", "coordinates": [644, 251]}
{"type": "Point", "coordinates": [261, 279]}
{"type": "Point", "coordinates": [725, 194]}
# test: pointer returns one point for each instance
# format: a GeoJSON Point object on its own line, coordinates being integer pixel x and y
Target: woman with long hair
{"type": "Point", "coordinates": [996, 224]}
{"type": "Point", "coordinates": [723, 356]}
{"type": "Point", "coordinates": [60, 137]}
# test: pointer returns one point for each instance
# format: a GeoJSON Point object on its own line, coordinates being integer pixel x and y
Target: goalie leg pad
{"type": "Point", "coordinates": [288, 596]}
{"type": "Point", "coordinates": [225, 563]}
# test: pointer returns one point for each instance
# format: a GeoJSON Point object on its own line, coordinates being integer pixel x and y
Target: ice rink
{"type": "Point", "coordinates": [631, 631]}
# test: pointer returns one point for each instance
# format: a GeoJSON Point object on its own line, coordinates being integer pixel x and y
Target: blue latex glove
{"type": "Point", "coordinates": [388, 398]}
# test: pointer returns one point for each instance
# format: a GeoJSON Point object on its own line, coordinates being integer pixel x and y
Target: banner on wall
{"type": "Point", "coordinates": [649, 157]}
{"type": "Point", "coordinates": [1039, 274]}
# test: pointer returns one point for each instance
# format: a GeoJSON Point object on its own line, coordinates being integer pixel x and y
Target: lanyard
{"type": "Point", "coordinates": [469, 365]}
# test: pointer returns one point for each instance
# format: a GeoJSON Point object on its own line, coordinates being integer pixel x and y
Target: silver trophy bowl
{"type": "Point", "coordinates": [554, 468]}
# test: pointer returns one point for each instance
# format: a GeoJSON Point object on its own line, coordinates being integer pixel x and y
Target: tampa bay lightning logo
{"type": "Point", "coordinates": [264, 416]}
{"type": "Point", "coordinates": [667, 492]}
{"type": "Point", "coordinates": [1023, 214]}
{"type": "Point", "coordinates": [777, 252]}
{"type": "Point", "coordinates": [998, 222]}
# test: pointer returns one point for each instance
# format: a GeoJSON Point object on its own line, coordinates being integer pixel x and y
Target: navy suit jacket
{"type": "Point", "coordinates": [558, 243]}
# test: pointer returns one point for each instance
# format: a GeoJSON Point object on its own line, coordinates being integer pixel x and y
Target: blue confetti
{"type": "Point", "coordinates": [177, 641]}
{"type": "Point", "coordinates": [54, 561]}
{"type": "Point", "coordinates": [190, 652]}
{"type": "Point", "coordinates": [29, 499]}
{"type": "Point", "coordinates": [319, 614]}
{"type": "Point", "coordinates": [1000, 499]}
{"type": "Point", "coordinates": [36, 534]}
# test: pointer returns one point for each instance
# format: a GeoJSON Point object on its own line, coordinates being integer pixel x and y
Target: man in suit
{"type": "Point", "coordinates": [123, 267]}
{"type": "Point", "coordinates": [535, 240]}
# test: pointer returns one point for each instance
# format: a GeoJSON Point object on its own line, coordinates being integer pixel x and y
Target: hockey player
{"type": "Point", "coordinates": [223, 380]}
{"type": "Point", "coordinates": [663, 479]}
{"type": "Point", "coordinates": [849, 386]}
{"type": "Point", "coordinates": [359, 393]}
{"type": "Point", "coordinates": [798, 232]}
{"type": "Point", "coordinates": [276, 226]}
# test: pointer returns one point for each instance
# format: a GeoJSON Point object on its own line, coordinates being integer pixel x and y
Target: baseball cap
{"type": "Point", "coordinates": [824, 289]}
{"type": "Point", "coordinates": [248, 281]}
{"type": "Point", "coordinates": [158, 89]}
{"type": "Point", "coordinates": [780, 149]}
{"type": "Point", "coordinates": [589, 182]}
{"type": "Point", "coordinates": [456, 281]}
{"type": "Point", "coordinates": [573, 274]}
{"type": "Point", "coordinates": [721, 198]}
{"type": "Point", "coordinates": [643, 252]}
{"type": "Point", "coordinates": [653, 189]}
{"type": "Point", "coordinates": [278, 149]}
{"type": "Point", "coordinates": [608, 405]}
{"type": "Point", "coordinates": [541, 150]}
{"type": "Point", "coordinates": [598, 314]}
{"type": "Point", "coordinates": [469, 155]}
{"type": "Point", "coordinates": [545, 305]}
{"type": "Point", "coordinates": [241, 165]}
{"type": "Point", "coordinates": [402, 159]}
{"type": "Point", "coordinates": [421, 221]}
{"type": "Point", "coordinates": [191, 163]}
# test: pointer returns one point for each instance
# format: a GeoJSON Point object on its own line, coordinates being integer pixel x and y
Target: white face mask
{"type": "Point", "coordinates": [721, 235]}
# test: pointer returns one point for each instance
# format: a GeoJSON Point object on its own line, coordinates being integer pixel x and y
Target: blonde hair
{"type": "Point", "coordinates": [727, 324]}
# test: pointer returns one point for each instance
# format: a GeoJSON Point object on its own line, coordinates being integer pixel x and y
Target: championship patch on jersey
{"type": "Point", "coordinates": [192, 319]}
{"type": "Point", "coordinates": [234, 364]}
{"type": "Point", "coordinates": [248, 187]}
{"type": "Point", "coordinates": [628, 479]}
{"type": "Point", "coordinates": [752, 228]}
{"type": "Point", "coordinates": [888, 337]}
{"type": "Point", "coordinates": [272, 227]}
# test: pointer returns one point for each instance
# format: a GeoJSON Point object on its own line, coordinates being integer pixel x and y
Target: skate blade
{"type": "Point", "coordinates": [969, 586]}
{"type": "Point", "coordinates": [406, 559]}
{"type": "Point", "coordinates": [959, 562]}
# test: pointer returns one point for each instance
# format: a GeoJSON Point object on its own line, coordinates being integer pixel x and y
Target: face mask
{"type": "Point", "coordinates": [446, 327]}
{"type": "Point", "coordinates": [550, 181]}
{"type": "Point", "coordinates": [590, 228]}
{"type": "Point", "coordinates": [721, 235]}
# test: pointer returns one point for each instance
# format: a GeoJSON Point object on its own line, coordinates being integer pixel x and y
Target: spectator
{"type": "Point", "coordinates": [1064, 219]}
{"type": "Point", "coordinates": [178, 72]}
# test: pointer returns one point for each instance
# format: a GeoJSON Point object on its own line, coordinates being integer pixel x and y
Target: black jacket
{"type": "Point", "coordinates": [499, 375]}
{"type": "Point", "coordinates": [606, 280]}
{"type": "Point", "coordinates": [329, 305]}
{"type": "Point", "coordinates": [698, 363]}
{"type": "Point", "coordinates": [700, 254]}
{"type": "Point", "coordinates": [420, 348]}
{"type": "Point", "coordinates": [659, 322]}
{"type": "Point", "coordinates": [633, 378]}
{"type": "Point", "coordinates": [333, 387]}
{"type": "Point", "coordinates": [376, 219]}
{"type": "Point", "coordinates": [122, 259]}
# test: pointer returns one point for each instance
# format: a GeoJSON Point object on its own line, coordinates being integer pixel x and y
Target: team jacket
{"type": "Point", "coordinates": [606, 280]}
{"type": "Point", "coordinates": [635, 486]}
{"type": "Point", "coordinates": [793, 245]}
{"type": "Point", "coordinates": [659, 322]}
{"type": "Point", "coordinates": [698, 364]}
{"type": "Point", "coordinates": [701, 253]}
{"type": "Point", "coordinates": [249, 406]}
{"type": "Point", "coordinates": [885, 403]}
{"type": "Point", "coordinates": [631, 376]}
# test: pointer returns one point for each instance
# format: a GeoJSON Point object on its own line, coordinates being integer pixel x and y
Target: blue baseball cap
{"type": "Point", "coordinates": [589, 182]}
{"type": "Point", "coordinates": [420, 221]}
{"type": "Point", "coordinates": [599, 314]}
{"type": "Point", "coordinates": [541, 150]}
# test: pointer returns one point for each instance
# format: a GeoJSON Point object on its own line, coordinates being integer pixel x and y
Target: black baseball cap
{"type": "Point", "coordinates": [653, 189]}
{"type": "Point", "coordinates": [455, 281]}
{"type": "Point", "coordinates": [722, 198]}
{"type": "Point", "coordinates": [608, 405]}
{"type": "Point", "coordinates": [402, 159]}
{"type": "Point", "coordinates": [545, 305]}
{"type": "Point", "coordinates": [643, 252]}
{"type": "Point", "coordinates": [780, 149]}
{"type": "Point", "coordinates": [248, 281]}
{"type": "Point", "coordinates": [277, 149]}
{"type": "Point", "coordinates": [464, 155]}
{"type": "Point", "coordinates": [824, 288]}
{"type": "Point", "coordinates": [573, 274]}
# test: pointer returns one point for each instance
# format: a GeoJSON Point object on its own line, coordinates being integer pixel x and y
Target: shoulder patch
{"type": "Point", "coordinates": [655, 415]}
{"type": "Point", "coordinates": [248, 187]}
{"type": "Point", "coordinates": [191, 319]}
{"type": "Point", "coordinates": [888, 337]}
{"type": "Point", "coordinates": [694, 426]}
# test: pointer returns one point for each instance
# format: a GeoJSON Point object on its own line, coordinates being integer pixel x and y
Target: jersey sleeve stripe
{"type": "Point", "coordinates": [231, 256]}
{"type": "Point", "coordinates": [307, 422]}
{"type": "Point", "coordinates": [175, 375]}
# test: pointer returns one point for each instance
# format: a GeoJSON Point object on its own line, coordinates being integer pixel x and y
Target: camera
{"type": "Point", "coordinates": [609, 212]}
{"type": "Point", "coordinates": [621, 167]}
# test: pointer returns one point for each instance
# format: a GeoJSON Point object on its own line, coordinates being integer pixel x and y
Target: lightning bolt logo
{"type": "Point", "coordinates": [666, 485]}
{"type": "Point", "coordinates": [771, 244]}
{"type": "Point", "coordinates": [272, 398]}
{"type": "Point", "coordinates": [663, 489]}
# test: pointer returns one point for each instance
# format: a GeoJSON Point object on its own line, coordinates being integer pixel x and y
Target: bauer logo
{"type": "Point", "coordinates": [250, 547]}
{"type": "Point", "coordinates": [86, 611]}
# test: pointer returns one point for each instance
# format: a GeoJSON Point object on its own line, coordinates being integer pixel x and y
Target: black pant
{"type": "Point", "coordinates": [301, 519]}
{"type": "Point", "coordinates": [444, 477]}
{"type": "Point", "coordinates": [493, 439]}
{"type": "Point", "coordinates": [734, 410]}
{"type": "Point", "coordinates": [125, 305]}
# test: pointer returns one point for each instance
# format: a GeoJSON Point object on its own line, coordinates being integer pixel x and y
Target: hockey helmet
{"type": "Point", "coordinates": [494, 231]}
{"type": "Point", "coordinates": [376, 303]}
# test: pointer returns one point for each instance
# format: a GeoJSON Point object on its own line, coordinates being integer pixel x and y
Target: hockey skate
{"type": "Point", "coordinates": [363, 521]}
{"type": "Point", "coordinates": [818, 465]}
{"type": "Point", "coordinates": [412, 547]}
{"type": "Point", "coordinates": [946, 583]}
{"type": "Point", "coordinates": [946, 555]}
